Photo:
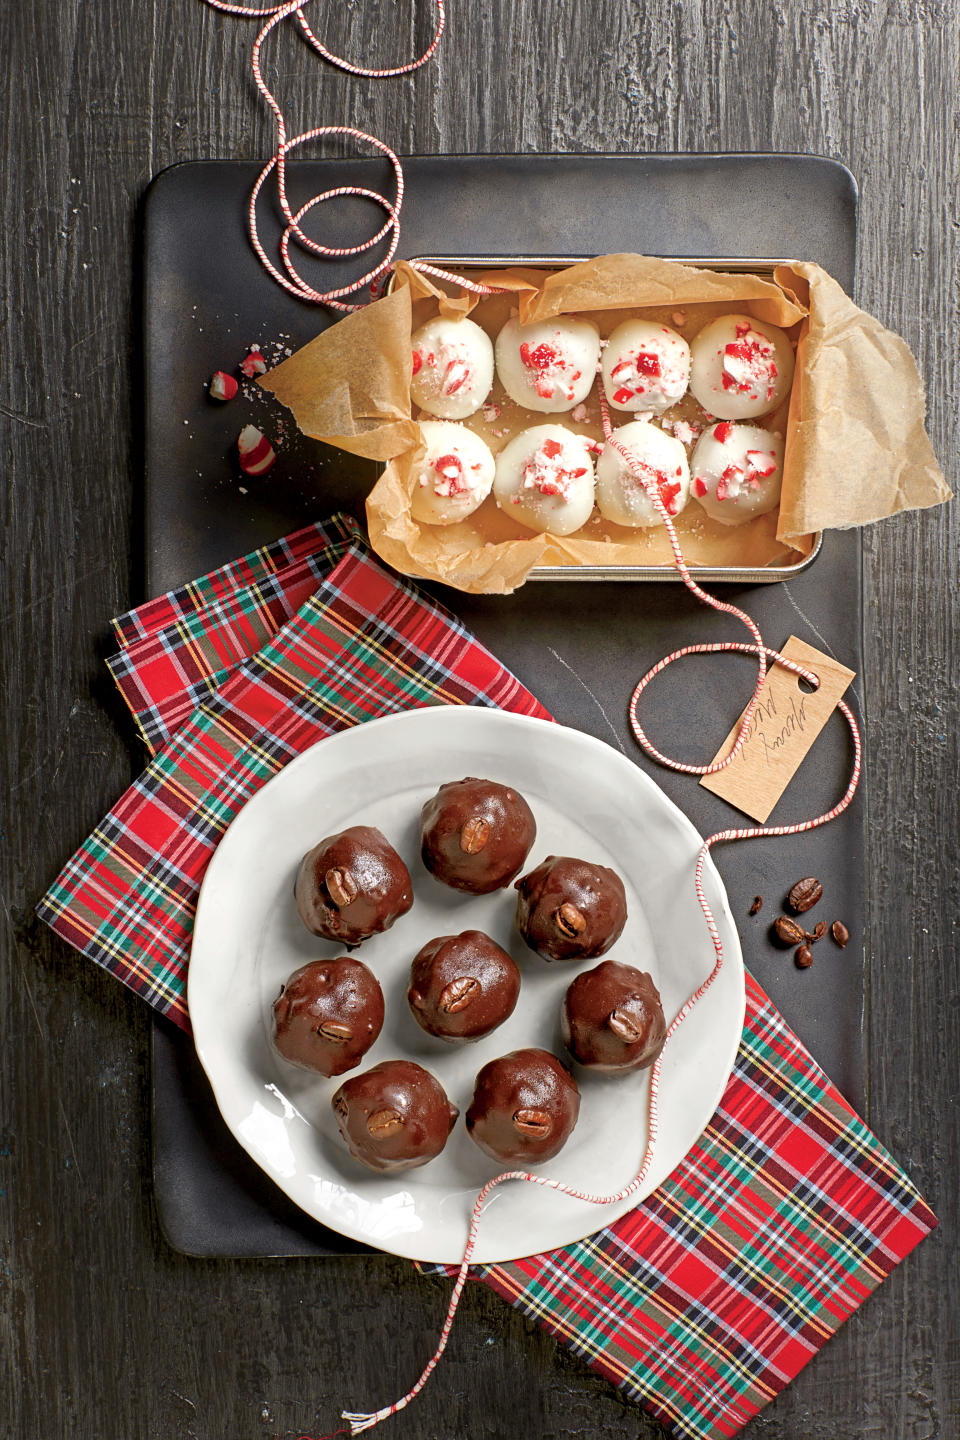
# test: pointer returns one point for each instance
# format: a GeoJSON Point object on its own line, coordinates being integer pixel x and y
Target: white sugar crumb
{"type": "Point", "coordinates": [579, 413]}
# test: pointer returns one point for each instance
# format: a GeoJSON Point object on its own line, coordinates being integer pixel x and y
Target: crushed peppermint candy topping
{"type": "Point", "coordinates": [453, 363]}
{"type": "Point", "coordinates": [491, 412]}
{"type": "Point", "coordinates": [668, 490]}
{"type": "Point", "coordinates": [550, 370]}
{"type": "Point", "coordinates": [546, 472]}
{"type": "Point", "coordinates": [687, 433]}
{"type": "Point", "coordinates": [630, 374]}
{"type": "Point", "coordinates": [749, 364]}
{"type": "Point", "coordinates": [456, 375]}
{"type": "Point", "coordinates": [679, 317]}
{"type": "Point", "coordinates": [579, 413]}
{"type": "Point", "coordinates": [699, 488]}
{"type": "Point", "coordinates": [452, 480]}
{"type": "Point", "coordinates": [760, 464]}
{"type": "Point", "coordinates": [723, 431]}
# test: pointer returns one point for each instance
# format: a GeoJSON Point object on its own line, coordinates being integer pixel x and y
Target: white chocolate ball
{"type": "Point", "coordinates": [549, 365]}
{"type": "Point", "coordinates": [737, 472]}
{"type": "Point", "coordinates": [452, 367]}
{"type": "Point", "coordinates": [622, 496]}
{"type": "Point", "coordinates": [455, 476]}
{"type": "Point", "coordinates": [740, 368]}
{"type": "Point", "coordinates": [646, 367]}
{"type": "Point", "coordinates": [544, 479]}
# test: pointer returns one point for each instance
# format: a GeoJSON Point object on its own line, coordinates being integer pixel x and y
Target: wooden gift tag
{"type": "Point", "coordinates": [787, 720]}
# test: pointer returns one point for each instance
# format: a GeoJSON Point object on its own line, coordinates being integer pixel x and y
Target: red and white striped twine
{"type": "Point", "coordinates": [289, 276]}
{"type": "Point", "coordinates": [291, 280]}
{"type": "Point", "coordinates": [359, 1422]}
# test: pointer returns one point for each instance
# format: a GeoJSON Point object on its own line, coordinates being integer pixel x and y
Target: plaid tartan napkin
{"type": "Point", "coordinates": [704, 1301]}
{"type": "Point", "coordinates": [364, 643]}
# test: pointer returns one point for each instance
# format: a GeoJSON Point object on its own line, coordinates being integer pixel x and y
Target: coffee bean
{"type": "Point", "coordinates": [840, 933]}
{"type": "Point", "coordinates": [459, 994]}
{"type": "Point", "coordinates": [757, 905]}
{"type": "Point", "coordinates": [804, 957]}
{"type": "Point", "coordinates": [818, 932]}
{"type": "Point", "coordinates": [805, 894]}
{"type": "Point", "coordinates": [788, 932]}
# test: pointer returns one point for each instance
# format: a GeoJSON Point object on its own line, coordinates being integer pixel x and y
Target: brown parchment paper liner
{"type": "Point", "coordinates": [856, 449]}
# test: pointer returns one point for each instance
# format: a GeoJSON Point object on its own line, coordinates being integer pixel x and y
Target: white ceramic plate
{"type": "Point", "coordinates": [589, 801]}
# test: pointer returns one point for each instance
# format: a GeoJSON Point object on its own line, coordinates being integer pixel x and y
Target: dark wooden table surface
{"type": "Point", "coordinates": [105, 1333]}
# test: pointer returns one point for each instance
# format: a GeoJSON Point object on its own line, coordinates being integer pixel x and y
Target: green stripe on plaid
{"type": "Point", "coordinates": [707, 1299]}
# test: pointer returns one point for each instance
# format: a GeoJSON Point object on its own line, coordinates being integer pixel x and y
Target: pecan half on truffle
{"type": "Point", "coordinates": [524, 1106]}
{"type": "Point", "coordinates": [352, 885]}
{"type": "Point", "coordinates": [462, 986]}
{"type": "Point", "coordinates": [476, 834]}
{"type": "Point", "coordinates": [570, 909]}
{"type": "Point", "coordinates": [612, 1018]}
{"type": "Point", "coordinates": [395, 1116]}
{"type": "Point", "coordinates": [327, 1015]}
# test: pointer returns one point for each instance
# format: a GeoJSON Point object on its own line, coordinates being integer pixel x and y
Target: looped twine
{"type": "Point", "coordinates": [289, 276]}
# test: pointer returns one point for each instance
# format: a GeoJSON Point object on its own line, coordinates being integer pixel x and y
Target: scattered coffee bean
{"type": "Point", "coordinates": [805, 894]}
{"type": "Point", "coordinates": [788, 932]}
{"type": "Point", "coordinates": [804, 957]}
{"type": "Point", "coordinates": [817, 933]}
{"type": "Point", "coordinates": [757, 905]}
{"type": "Point", "coordinates": [840, 933]}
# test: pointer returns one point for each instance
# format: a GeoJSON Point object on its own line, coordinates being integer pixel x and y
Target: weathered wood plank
{"type": "Point", "coordinates": [103, 1331]}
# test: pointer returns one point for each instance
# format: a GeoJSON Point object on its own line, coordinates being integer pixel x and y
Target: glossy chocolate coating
{"type": "Point", "coordinates": [394, 1116]}
{"type": "Point", "coordinates": [352, 885]}
{"type": "Point", "coordinates": [462, 986]}
{"type": "Point", "coordinates": [475, 835]}
{"type": "Point", "coordinates": [612, 1018]}
{"type": "Point", "coordinates": [570, 909]}
{"type": "Point", "coordinates": [327, 1015]}
{"type": "Point", "coordinates": [524, 1106]}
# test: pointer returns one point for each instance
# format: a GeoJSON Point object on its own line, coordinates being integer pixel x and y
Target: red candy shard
{"type": "Point", "coordinates": [761, 463]}
{"type": "Point", "coordinates": [668, 494]}
{"type": "Point", "coordinates": [698, 486]}
{"type": "Point", "coordinates": [552, 448]}
{"type": "Point", "coordinates": [622, 397]}
{"type": "Point", "coordinates": [648, 364]}
{"type": "Point", "coordinates": [452, 479]}
{"type": "Point", "coordinates": [417, 361]}
{"type": "Point", "coordinates": [723, 431]}
{"type": "Point", "coordinates": [456, 375]}
{"type": "Point", "coordinates": [222, 386]}
{"type": "Point", "coordinates": [541, 357]}
{"type": "Point", "coordinates": [253, 363]}
{"type": "Point", "coordinates": [743, 328]}
{"type": "Point", "coordinates": [255, 451]}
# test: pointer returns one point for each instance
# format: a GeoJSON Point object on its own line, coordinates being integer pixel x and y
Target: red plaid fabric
{"type": "Point", "coordinates": [179, 649]}
{"type": "Point", "coordinates": [704, 1301]}
{"type": "Point", "coordinates": [363, 644]}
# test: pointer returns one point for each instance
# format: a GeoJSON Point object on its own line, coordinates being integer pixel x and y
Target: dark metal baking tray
{"type": "Point", "coordinates": [580, 648]}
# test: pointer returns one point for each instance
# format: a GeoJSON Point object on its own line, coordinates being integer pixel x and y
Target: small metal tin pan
{"type": "Point", "coordinates": [735, 574]}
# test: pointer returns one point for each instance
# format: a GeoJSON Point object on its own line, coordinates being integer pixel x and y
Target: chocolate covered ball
{"type": "Point", "coordinates": [524, 1106]}
{"type": "Point", "coordinates": [570, 909]}
{"type": "Point", "coordinates": [327, 1015]}
{"type": "Point", "coordinates": [476, 834]}
{"type": "Point", "coordinates": [352, 885]}
{"type": "Point", "coordinates": [462, 986]}
{"type": "Point", "coordinates": [612, 1018]}
{"type": "Point", "coordinates": [394, 1116]}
